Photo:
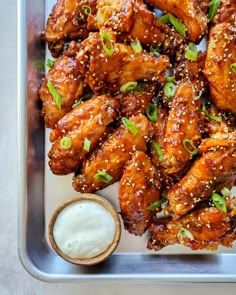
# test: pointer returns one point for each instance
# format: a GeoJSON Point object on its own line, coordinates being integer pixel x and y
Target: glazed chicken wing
{"type": "Point", "coordinates": [103, 71]}
{"type": "Point", "coordinates": [189, 12]}
{"type": "Point", "coordinates": [112, 155]}
{"type": "Point", "coordinates": [203, 228]}
{"type": "Point", "coordinates": [182, 125]}
{"type": "Point", "coordinates": [68, 83]}
{"type": "Point", "coordinates": [88, 122]}
{"type": "Point", "coordinates": [139, 188]}
{"type": "Point", "coordinates": [67, 20]}
{"type": "Point", "coordinates": [221, 55]}
{"type": "Point", "coordinates": [133, 20]}
{"type": "Point", "coordinates": [213, 170]}
{"type": "Point", "coordinates": [226, 12]}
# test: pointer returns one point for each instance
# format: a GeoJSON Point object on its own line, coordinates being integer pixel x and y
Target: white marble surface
{"type": "Point", "coordinates": [13, 278]}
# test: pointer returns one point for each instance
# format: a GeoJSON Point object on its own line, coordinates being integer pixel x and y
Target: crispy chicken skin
{"type": "Point", "coordinates": [132, 104]}
{"type": "Point", "coordinates": [139, 188]}
{"type": "Point", "coordinates": [67, 20]}
{"type": "Point", "coordinates": [133, 20]}
{"type": "Point", "coordinates": [102, 71]}
{"type": "Point", "coordinates": [112, 155]}
{"type": "Point", "coordinates": [189, 12]}
{"type": "Point", "coordinates": [69, 84]}
{"type": "Point", "coordinates": [226, 12]}
{"type": "Point", "coordinates": [213, 170]}
{"type": "Point", "coordinates": [193, 71]}
{"type": "Point", "coordinates": [221, 54]}
{"type": "Point", "coordinates": [182, 123]}
{"type": "Point", "coordinates": [208, 226]}
{"type": "Point", "coordinates": [89, 121]}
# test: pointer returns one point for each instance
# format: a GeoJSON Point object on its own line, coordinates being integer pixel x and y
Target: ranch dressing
{"type": "Point", "coordinates": [84, 229]}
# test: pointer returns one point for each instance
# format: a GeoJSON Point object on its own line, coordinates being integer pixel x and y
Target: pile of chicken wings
{"type": "Point", "coordinates": [129, 98]}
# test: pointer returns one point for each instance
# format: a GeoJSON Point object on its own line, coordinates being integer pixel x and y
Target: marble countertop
{"type": "Point", "coordinates": [13, 278]}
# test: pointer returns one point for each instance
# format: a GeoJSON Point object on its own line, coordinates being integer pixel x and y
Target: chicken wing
{"type": "Point", "coordinates": [112, 155]}
{"type": "Point", "coordinates": [103, 71]}
{"type": "Point", "coordinates": [67, 20]}
{"type": "Point", "coordinates": [88, 122]}
{"type": "Point", "coordinates": [226, 12]}
{"type": "Point", "coordinates": [213, 170]}
{"type": "Point", "coordinates": [204, 228]}
{"type": "Point", "coordinates": [193, 71]}
{"type": "Point", "coordinates": [182, 126]}
{"type": "Point", "coordinates": [189, 12]}
{"type": "Point", "coordinates": [133, 20]}
{"type": "Point", "coordinates": [68, 83]}
{"type": "Point", "coordinates": [221, 55]}
{"type": "Point", "coordinates": [139, 188]}
{"type": "Point", "coordinates": [134, 103]}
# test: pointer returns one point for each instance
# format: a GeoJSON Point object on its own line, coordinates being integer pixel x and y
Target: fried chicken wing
{"type": "Point", "coordinates": [139, 188]}
{"type": "Point", "coordinates": [193, 71]}
{"type": "Point", "coordinates": [226, 12]}
{"type": "Point", "coordinates": [112, 155]}
{"type": "Point", "coordinates": [124, 65]}
{"type": "Point", "coordinates": [134, 103]}
{"type": "Point", "coordinates": [89, 121]}
{"type": "Point", "coordinates": [204, 228]}
{"type": "Point", "coordinates": [69, 84]}
{"type": "Point", "coordinates": [221, 54]}
{"type": "Point", "coordinates": [189, 12]}
{"type": "Point", "coordinates": [182, 124]}
{"type": "Point", "coordinates": [213, 170]}
{"type": "Point", "coordinates": [133, 20]}
{"type": "Point", "coordinates": [67, 20]}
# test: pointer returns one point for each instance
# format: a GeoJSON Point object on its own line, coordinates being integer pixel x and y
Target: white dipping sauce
{"type": "Point", "coordinates": [84, 229]}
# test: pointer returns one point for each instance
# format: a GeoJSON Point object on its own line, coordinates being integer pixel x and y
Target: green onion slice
{"type": "Point", "coordinates": [130, 125]}
{"type": "Point", "coordinates": [214, 4]}
{"type": "Point", "coordinates": [157, 204]}
{"type": "Point", "coordinates": [213, 117]}
{"type": "Point", "coordinates": [54, 93]}
{"type": "Point", "coordinates": [50, 62]}
{"type": "Point", "coordinates": [140, 87]}
{"type": "Point", "coordinates": [158, 150]}
{"type": "Point", "coordinates": [136, 45]}
{"type": "Point", "coordinates": [170, 79]}
{"type": "Point", "coordinates": [225, 192]}
{"type": "Point", "coordinates": [219, 202]}
{"type": "Point", "coordinates": [193, 151]}
{"type": "Point", "coordinates": [233, 67]}
{"type": "Point", "coordinates": [179, 27]}
{"type": "Point", "coordinates": [128, 87]}
{"type": "Point", "coordinates": [104, 37]}
{"type": "Point", "coordinates": [87, 144]}
{"type": "Point", "coordinates": [165, 18]}
{"type": "Point", "coordinates": [65, 143]}
{"type": "Point", "coordinates": [184, 232]}
{"type": "Point", "coordinates": [154, 49]}
{"type": "Point", "coordinates": [103, 176]}
{"type": "Point", "coordinates": [152, 112]}
{"type": "Point", "coordinates": [87, 9]}
{"type": "Point", "coordinates": [169, 89]}
{"type": "Point", "coordinates": [76, 103]}
{"type": "Point", "coordinates": [191, 51]}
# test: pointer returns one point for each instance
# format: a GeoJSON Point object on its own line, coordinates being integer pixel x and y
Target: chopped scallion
{"type": "Point", "coordinates": [214, 4]}
{"type": "Point", "coordinates": [103, 176]}
{"type": "Point", "coordinates": [54, 93]}
{"type": "Point", "coordinates": [179, 27]}
{"type": "Point", "coordinates": [87, 144]}
{"type": "Point", "coordinates": [154, 49]}
{"type": "Point", "coordinates": [158, 150]}
{"type": "Point", "coordinates": [165, 18]}
{"type": "Point", "coordinates": [104, 37]}
{"type": "Point", "coordinates": [76, 103]}
{"type": "Point", "coordinates": [213, 117]}
{"type": "Point", "coordinates": [50, 63]}
{"type": "Point", "coordinates": [65, 143]}
{"type": "Point", "coordinates": [191, 51]}
{"type": "Point", "coordinates": [233, 68]}
{"type": "Point", "coordinates": [87, 9]}
{"type": "Point", "coordinates": [152, 112]}
{"type": "Point", "coordinates": [136, 45]}
{"type": "Point", "coordinates": [170, 79]}
{"type": "Point", "coordinates": [169, 89]}
{"type": "Point", "coordinates": [130, 125]}
{"type": "Point", "coordinates": [219, 202]}
{"type": "Point", "coordinates": [193, 151]}
{"type": "Point", "coordinates": [157, 204]}
{"type": "Point", "coordinates": [140, 87]}
{"type": "Point", "coordinates": [128, 87]}
{"type": "Point", "coordinates": [184, 232]}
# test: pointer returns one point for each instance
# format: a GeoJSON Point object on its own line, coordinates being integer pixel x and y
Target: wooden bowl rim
{"type": "Point", "coordinates": [107, 205]}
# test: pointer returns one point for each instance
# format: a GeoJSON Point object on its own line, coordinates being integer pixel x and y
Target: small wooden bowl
{"type": "Point", "coordinates": [101, 257]}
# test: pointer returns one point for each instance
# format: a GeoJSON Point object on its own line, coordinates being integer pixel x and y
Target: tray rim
{"type": "Point", "coordinates": [22, 195]}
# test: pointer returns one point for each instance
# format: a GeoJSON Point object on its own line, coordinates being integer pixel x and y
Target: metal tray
{"type": "Point", "coordinates": [39, 192]}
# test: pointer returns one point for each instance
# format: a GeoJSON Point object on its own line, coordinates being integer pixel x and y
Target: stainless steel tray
{"type": "Point", "coordinates": [39, 192]}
